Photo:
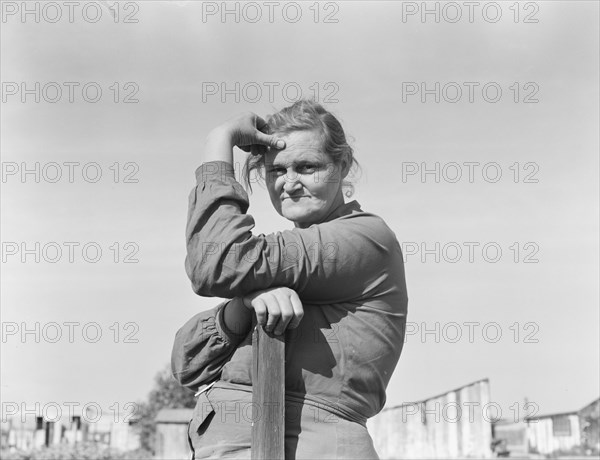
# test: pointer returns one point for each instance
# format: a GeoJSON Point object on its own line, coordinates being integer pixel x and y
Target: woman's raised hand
{"type": "Point", "coordinates": [247, 130]}
{"type": "Point", "coordinates": [276, 308]}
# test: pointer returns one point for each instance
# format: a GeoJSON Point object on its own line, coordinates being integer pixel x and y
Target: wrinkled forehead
{"type": "Point", "coordinates": [299, 146]}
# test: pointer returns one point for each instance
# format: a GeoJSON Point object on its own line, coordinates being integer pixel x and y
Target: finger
{"type": "Point", "coordinates": [274, 313]}
{"type": "Point", "coordinates": [298, 310]}
{"type": "Point", "coordinates": [287, 313]}
{"type": "Point", "coordinates": [268, 140]}
{"type": "Point", "coordinates": [261, 311]}
{"type": "Point", "coordinates": [245, 148]}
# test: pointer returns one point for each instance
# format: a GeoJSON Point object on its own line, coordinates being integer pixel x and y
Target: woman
{"type": "Point", "coordinates": [334, 284]}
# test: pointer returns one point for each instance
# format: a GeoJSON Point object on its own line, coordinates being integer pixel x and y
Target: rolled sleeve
{"type": "Point", "coordinates": [202, 347]}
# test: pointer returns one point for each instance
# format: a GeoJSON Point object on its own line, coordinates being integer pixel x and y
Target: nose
{"type": "Point", "coordinates": [291, 183]}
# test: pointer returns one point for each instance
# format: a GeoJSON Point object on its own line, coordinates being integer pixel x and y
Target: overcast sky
{"type": "Point", "coordinates": [514, 137]}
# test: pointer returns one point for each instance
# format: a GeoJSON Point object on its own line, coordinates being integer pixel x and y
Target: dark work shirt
{"type": "Point", "coordinates": [347, 271]}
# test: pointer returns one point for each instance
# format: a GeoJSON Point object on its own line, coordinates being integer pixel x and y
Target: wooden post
{"type": "Point", "coordinates": [268, 395]}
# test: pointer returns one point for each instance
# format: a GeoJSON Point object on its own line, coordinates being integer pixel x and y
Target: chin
{"type": "Point", "coordinates": [297, 217]}
{"type": "Point", "coordinates": [302, 215]}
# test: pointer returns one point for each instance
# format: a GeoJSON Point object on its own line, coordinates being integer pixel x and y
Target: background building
{"type": "Point", "coordinates": [575, 433]}
{"type": "Point", "coordinates": [172, 435]}
{"type": "Point", "coordinates": [451, 425]}
{"type": "Point", "coordinates": [31, 432]}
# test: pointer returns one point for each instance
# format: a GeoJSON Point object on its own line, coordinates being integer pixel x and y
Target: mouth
{"type": "Point", "coordinates": [294, 198]}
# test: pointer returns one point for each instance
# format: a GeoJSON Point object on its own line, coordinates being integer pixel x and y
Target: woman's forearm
{"type": "Point", "coordinates": [237, 318]}
{"type": "Point", "coordinates": [218, 147]}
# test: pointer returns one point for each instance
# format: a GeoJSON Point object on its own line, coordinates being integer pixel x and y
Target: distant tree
{"type": "Point", "coordinates": [166, 394]}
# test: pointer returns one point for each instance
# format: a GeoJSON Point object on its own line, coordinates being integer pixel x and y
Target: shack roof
{"type": "Point", "coordinates": [174, 416]}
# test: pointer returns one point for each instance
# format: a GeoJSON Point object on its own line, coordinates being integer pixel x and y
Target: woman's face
{"type": "Point", "coordinates": [304, 184]}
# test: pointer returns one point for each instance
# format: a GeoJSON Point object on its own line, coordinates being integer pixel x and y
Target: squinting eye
{"type": "Point", "coordinates": [307, 169]}
{"type": "Point", "coordinates": [277, 171]}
